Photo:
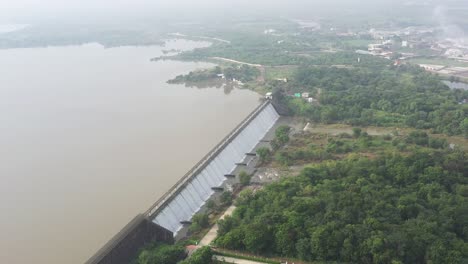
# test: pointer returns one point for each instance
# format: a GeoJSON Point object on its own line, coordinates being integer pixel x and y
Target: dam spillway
{"type": "Point", "coordinates": [166, 217]}
{"type": "Point", "coordinates": [191, 193]}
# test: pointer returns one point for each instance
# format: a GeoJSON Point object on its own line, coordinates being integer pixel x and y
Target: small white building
{"type": "Point", "coordinates": [375, 47]}
{"type": "Point", "coordinates": [310, 100]}
{"type": "Point", "coordinates": [305, 95]}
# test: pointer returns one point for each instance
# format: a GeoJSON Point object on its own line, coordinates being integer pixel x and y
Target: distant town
{"type": "Point", "coordinates": [423, 46]}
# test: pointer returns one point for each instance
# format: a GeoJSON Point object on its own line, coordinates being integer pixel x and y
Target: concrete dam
{"type": "Point", "coordinates": [167, 216]}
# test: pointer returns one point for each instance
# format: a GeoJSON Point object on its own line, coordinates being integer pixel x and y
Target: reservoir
{"type": "Point", "coordinates": [90, 137]}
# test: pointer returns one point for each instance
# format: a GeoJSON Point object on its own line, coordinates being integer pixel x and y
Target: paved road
{"type": "Point", "coordinates": [201, 37]}
{"type": "Point", "coordinates": [211, 235]}
{"type": "Point", "coordinates": [260, 79]}
{"type": "Point", "coordinates": [235, 61]}
{"type": "Point", "coordinates": [236, 261]}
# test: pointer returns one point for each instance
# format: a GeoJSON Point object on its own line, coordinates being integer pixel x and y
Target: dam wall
{"type": "Point", "coordinates": [164, 219]}
{"type": "Point", "coordinates": [196, 187]}
{"type": "Point", "coordinates": [124, 246]}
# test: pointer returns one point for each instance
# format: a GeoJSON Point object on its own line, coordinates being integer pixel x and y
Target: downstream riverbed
{"type": "Point", "coordinates": [90, 137]}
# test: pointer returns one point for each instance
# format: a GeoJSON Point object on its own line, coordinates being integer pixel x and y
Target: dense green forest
{"type": "Point", "coordinates": [383, 96]}
{"type": "Point", "coordinates": [408, 207]}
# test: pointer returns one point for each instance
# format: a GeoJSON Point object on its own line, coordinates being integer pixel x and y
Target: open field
{"type": "Point", "coordinates": [336, 129]}
{"type": "Point", "coordinates": [279, 72]}
{"type": "Point", "coordinates": [439, 61]}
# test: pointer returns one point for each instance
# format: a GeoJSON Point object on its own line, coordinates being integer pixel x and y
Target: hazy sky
{"type": "Point", "coordinates": [22, 8]}
{"type": "Point", "coordinates": [65, 8]}
{"type": "Point", "coordinates": [134, 4]}
{"type": "Point", "coordinates": [170, 4]}
{"type": "Point", "coordinates": [131, 4]}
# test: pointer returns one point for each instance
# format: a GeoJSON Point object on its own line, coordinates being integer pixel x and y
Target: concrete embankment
{"type": "Point", "coordinates": [169, 214]}
{"type": "Point", "coordinates": [123, 247]}
{"type": "Point", "coordinates": [195, 188]}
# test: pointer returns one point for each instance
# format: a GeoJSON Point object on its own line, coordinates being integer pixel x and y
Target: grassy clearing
{"type": "Point", "coordinates": [457, 140]}
{"type": "Point", "coordinates": [336, 129]}
{"type": "Point", "coordinates": [273, 73]}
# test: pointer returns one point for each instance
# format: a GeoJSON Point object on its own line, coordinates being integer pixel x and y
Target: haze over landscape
{"type": "Point", "coordinates": [53, 9]}
{"type": "Point", "coordinates": [340, 130]}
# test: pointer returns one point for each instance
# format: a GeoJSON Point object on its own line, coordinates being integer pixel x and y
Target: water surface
{"type": "Point", "coordinates": [90, 137]}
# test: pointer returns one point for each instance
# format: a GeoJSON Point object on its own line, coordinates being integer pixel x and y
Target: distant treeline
{"type": "Point", "coordinates": [44, 35]}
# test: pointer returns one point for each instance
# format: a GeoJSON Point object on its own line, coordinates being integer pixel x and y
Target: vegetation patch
{"type": "Point", "coordinates": [391, 209]}
{"type": "Point", "coordinates": [243, 73]}
{"type": "Point", "coordinates": [403, 96]}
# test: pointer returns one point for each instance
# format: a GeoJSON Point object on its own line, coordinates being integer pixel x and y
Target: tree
{"type": "Point", "coordinates": [285, 240]}
{"type": "Point", "coordinates": [275, 145]}
{"type": "Point", "coordinates": [464, 127]}
{"type": "Point", "coordinates": [283, 158]}
{"type": "Point", "coordinates": [357, 132]}
{"type": "Point", "coordinates": [199, 222]}
{"type": "Point", "coordinates": [226, 225]}
{"type": "Point", "coordinates": [303, 249]}
{"type": "Point", "coordinates": [257, 237]}
{"type": "Point", "coordinates": [264, 154]}
{"type": "Point", "coordinates": [418, 137]}
{"type": "Point", "coordinates": [244, 178]}
{"type": "Point", "coordinates": [438, 143]}
{"type": "Point", "coordinates": [162, 254]}
{"type": "Point", "coordinates": [202, 255]}
{"type": "Point", "coordinates": [232, 239]}
{"type": "Point", "coordinates": [246, 195]}
{"type": "Point", "coordinates": [226, 198]}
{"type": "Point", "coordinates": [211, 205]}
{"type": "Point", "coordinates": [282, 135]}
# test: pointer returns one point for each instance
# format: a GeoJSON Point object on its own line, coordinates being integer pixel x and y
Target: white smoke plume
{"type": "Point", "coordinates": [451, 31]}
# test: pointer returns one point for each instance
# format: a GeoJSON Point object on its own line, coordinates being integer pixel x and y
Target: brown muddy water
{"type": "Point", "coordinates": [90, 137]}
